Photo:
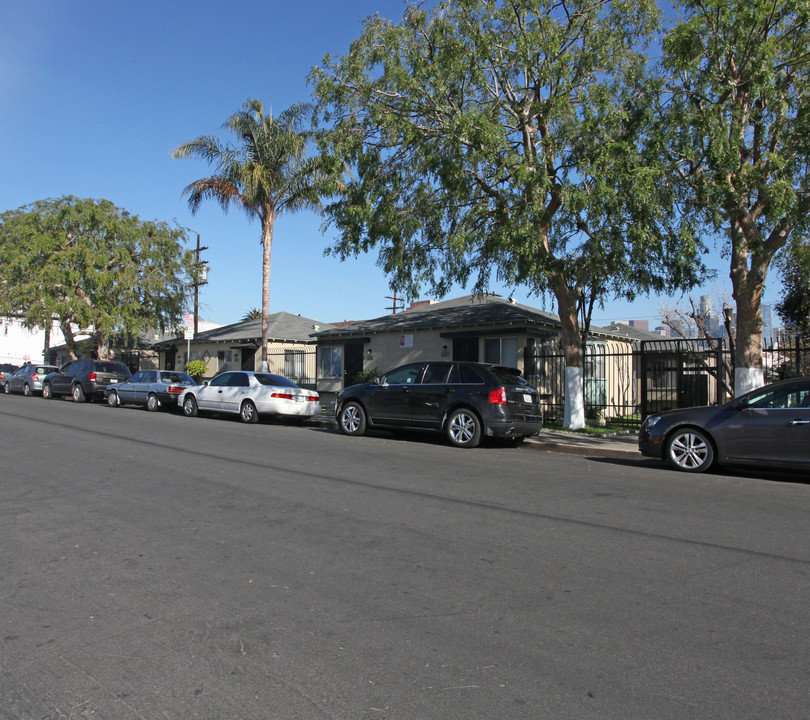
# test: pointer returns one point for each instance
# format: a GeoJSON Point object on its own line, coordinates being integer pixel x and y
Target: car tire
{"type": "Point", "coordinates": [152, 402]}
{"type": "Point", "coordinates": [113, 400]}
{"type": "Point", "coordinates": [248, 412]}
{"type": "Point", "coordinates": [690, 450]}
{"type": "Point", "coordinates": [27, 391]}
{"type": "Point", "coordinates": [7, 389]}
{"type": "Point", "coordinates": [463, 428]}
{"type": "Point", "coordinates": [190, 406]}
{"type": "Point", "coordinates": [352, 419]}
{"type": "Point", "coordinates": [78, 394]}
{"type": "Point", "coordinates": [47, 391]}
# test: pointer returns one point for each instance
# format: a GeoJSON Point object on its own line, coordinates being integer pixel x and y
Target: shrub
{"type": "Point", "coordinates": [196, 368]}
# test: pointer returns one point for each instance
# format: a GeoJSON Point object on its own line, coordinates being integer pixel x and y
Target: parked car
{"type": "Point", "coordinates": [151, 388]}
{"type": "Point", "coordinates": [251, 394]}
{"type": "Point", "coordinates": [84, 379]}
{"type": "Point", "coordinates": [6, 370]}
{"type": "Point", "coordinates": [768, 427]}
{"type": "Point", "coordinates": [28, 379]}
{"type": "Point", "coordinates": [466, 401]}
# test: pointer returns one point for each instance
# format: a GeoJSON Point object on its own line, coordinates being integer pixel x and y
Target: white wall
{"type": "Point", "coordinates": [19, 345]}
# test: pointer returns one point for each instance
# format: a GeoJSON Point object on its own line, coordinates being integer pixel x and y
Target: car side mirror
{"type": "Point", "coordinates": [742, 404]}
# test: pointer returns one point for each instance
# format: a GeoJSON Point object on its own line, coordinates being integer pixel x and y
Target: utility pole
{"type": "Point", "coordinates": [394, 306]}
{"type": "Point", "coordinates": [200, 278]}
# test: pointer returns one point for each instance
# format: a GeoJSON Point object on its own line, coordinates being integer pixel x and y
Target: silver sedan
{"type": "Point", "coordinates": [251, 394]}
{"type": "Point", "coordinates": [151, 388]}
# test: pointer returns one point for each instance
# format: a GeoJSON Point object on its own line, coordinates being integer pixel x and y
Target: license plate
{"type": "Point", "coordinates": [113, 380]}
{"type": "Point", "coordinates": [527, 399]}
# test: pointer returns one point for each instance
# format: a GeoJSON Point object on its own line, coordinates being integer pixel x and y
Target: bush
{"type": "Point", "coordinates": [196, 368]}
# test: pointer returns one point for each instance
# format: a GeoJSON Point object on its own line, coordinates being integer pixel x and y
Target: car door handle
{"type": "Point", "coordinates": [799, 422]}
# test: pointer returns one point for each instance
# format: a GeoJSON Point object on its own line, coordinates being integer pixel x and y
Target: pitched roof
{"type": "Point", "coordinates": [467, 311]}
{"type": "Point", "coordinates": [281, 326]}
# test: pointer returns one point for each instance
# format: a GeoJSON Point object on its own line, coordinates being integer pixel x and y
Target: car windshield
{"type": "Point", "coordinates": [177, 378]}
{"type": "Point", "coordinates": [269, 379]}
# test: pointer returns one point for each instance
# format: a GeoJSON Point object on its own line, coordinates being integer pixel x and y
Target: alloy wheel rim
{"type": "Point", "coordinates": [462, 428]}
{"type": "Point", "coordinates": [689, 451]}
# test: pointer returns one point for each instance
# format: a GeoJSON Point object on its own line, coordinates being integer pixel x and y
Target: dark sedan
{"type": "Point", "coordinates": [768, 427]}
{"type": "Point", "coordinates": [151, 388]}
{"type": "Point", "coordinates": [464, 400]}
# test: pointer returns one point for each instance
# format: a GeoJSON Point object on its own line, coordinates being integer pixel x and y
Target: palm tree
{"type": "Point", "coordinates": [252, 314]}
{"type": "Point", "coordinates": [268, 173]}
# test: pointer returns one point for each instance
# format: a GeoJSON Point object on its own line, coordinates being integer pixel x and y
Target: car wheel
{"type": "Point", "coordinates": [7, 389]}
{"type": "Point", "coordinates": [47, 393]}
{"type": "Point", "coordinates": [112, 399]}
{"type": "Point", "coordinates": [190, 406]}
{"type": "Point", "coordinates": [463, 428]}
{"type": "Point", "coordinates": [691, 450]}
{"type": "Point", "coordinates": [78, 393]}
{"type": "Point", "coordinates": [27, 390]}
{"type": "Point", "coordinates": [352, 420]}
{"type": "Point", "coordinates": [152, 403]}
{"type": "Point", "coordinates": [249, 413]}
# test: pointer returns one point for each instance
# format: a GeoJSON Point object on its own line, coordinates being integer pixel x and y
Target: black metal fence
{"type": "Point", "coordinates": [297, 365]}
{"type": "Point", "coordinates": [623, 385]}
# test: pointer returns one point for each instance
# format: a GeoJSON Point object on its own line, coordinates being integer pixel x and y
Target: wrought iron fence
{"type": "Point", "coordinates": [623, 385]}
{"type": "Point", "coordinates": [297, 365]}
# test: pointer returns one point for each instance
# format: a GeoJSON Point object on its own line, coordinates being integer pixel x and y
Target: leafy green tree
{"type": "Point", "coordinates": [794, 306]}
{"type": "Point", "coordinates": [92, 266]}
{"type": "Point", "coordinates": [266, 174]}
{"type": "Point", "coordinates": [506, 139]}
{"type": "Point", "coordinates": [737, 129]}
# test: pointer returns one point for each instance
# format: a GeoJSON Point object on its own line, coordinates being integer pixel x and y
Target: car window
{"type": "Point", "coordinates": [221, 380]}
{"type": "Point", "coordinates": [277, 380]}
{"type": "Point", "coordinates": [436, 373]}
{"type": "Point", "coordinates": [510, 376]}
{"type": "Point", "coordinates": [405, 375]}
{"type": "Point", "coordinates": [110, 367]}
{"type": "Point", "coordinates": [782, 398]}
{"type": "Point", "coordinates": [137, 377]}
{"type": "Point", "coordinates": [44, 369]}
{"type": "Point", "coordinates": [176, 378]}
{"type": "Point", "coordinates": [239, 380]}
{"type": "Point", "coordinates": [465, 375]}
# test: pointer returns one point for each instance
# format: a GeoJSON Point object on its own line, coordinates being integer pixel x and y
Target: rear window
{"type": "Point", "coordinates": [270, 379]}
{"type": "Point", "coordinates": [45, 369]}
{"type": "Point", "coordinates": [110, 367]}
{"type": "Point", "coordinates": [176, 377]}
{"type": "Point", "coordinates": [510, 376]}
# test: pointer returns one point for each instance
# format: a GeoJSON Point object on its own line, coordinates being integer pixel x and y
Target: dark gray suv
{"type": "Point", "coordinates": [84, 379]}
{"type": "Point", "coordinates": [466, 401]}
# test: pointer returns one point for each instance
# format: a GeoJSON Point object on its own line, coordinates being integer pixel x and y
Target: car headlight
{"type": "Point", "coordinates": [651, 420]}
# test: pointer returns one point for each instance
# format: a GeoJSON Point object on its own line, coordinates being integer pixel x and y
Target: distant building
{"type": "Point", "coordinates": [768, 334]}
{"type": "Point", "coordinates": [19, 345]}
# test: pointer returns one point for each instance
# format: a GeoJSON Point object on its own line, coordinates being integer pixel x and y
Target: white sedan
{"type": "Point", "coordinates": [250, 394]}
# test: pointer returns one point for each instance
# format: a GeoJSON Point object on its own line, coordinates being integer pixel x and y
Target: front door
{"type": "Point", "coordinates": [465, 349]}
{"type": "Point", "coordinates": [352, 363]}
{"type": "Point", "coordinates": [389, 403]}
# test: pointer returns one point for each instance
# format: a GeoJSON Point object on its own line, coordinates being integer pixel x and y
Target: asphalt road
{"type": "Point", "coordinates": [157, 566]}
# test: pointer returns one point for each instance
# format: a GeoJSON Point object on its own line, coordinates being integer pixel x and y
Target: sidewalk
{"type": "Point", "coordinates": [619, 446]}
{"type": "Point", "coordinates": [560, 441]}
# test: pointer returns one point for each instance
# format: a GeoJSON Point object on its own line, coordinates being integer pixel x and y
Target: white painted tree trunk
{"type": "Point", "coordinates": [746, 379]}
{"type": "Point", "coordinates": [574, 415]}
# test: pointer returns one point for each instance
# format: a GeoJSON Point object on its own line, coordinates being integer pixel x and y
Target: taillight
{"type": "Point", "coordinates": [283, 396]}
{"type": "Point", "coordinates": [313, 398]}
{"type": "Point", "coordinates": [497, 397]}
{"type": "Point", "coordinates": [34, 376]}
{"type": "Point", "coordinates": [91, 377]}
{"type": "Point", "coordinates": [177, 389]}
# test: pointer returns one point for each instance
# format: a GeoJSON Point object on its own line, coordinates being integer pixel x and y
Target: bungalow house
{"type": "Point", "coordinates": [290, 347]}
{"type": "Point", "coordinates": [476, 328]}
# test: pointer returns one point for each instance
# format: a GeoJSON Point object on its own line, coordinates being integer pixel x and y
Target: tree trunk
{"type": "Point", "coordinates": [267, 245]}
{"type": "Point", "coordinates": [574, 412]}
{"type": "Point", "coordinates": [70, 340]}
{"type": "Point", "coordinates": [747, 285]}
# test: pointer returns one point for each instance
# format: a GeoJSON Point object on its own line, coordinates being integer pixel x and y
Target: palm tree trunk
{"type": "Point", "coordinates": [267, 246]}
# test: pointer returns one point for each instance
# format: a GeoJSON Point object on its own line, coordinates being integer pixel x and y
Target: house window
{"type": "Point", "coordinates": [294, 364]}
{"type": "Point", "coordinates": [502, 351]}
{"type": "Point", "coordinates": [330, 362]}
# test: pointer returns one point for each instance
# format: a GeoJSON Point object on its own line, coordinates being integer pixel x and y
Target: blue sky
{"type": "Point", "coordinates": [95, 95]}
